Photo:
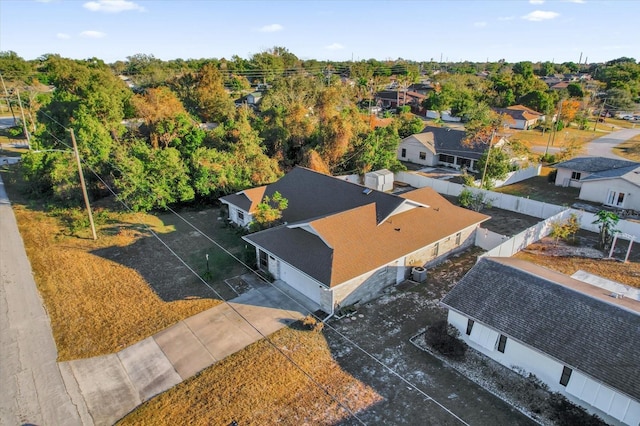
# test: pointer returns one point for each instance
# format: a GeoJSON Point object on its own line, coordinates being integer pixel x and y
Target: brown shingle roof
{"type": "Point", "coordinates": [356, 244]}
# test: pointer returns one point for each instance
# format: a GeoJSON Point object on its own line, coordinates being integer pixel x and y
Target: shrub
{"type": "Point", "coordinates": [566, 413]}
{"type": "Point", "coordinates": [445, 340]}
{"type": "Point", "coordinates": [312, 323]}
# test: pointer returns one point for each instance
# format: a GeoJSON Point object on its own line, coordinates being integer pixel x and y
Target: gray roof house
{"type": "Point", "coordinates": [340, 243]}
{"type": "Point", "coordinates": [612, 182]}
{"type": "Point", "coordinates": [573, 336]}
{"type": "Point", "coordinates": [442, 146]}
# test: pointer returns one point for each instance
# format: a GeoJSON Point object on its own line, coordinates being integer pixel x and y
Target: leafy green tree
{"type": "Point", "coordinates": [409, 124]}
{"type": "Point", "coordinates": [378, 150]}
{"type": "Point", "coordinates": [606, 221]}
{"type": "Point", "coordinates": [619, 99]}
{"type": "Point", "coordinates": [15, 68]}
{"type": "Point", "coordinates": [525, 69]}
{"type": "Point", "coordinates": [575, 90]}
{"type": "Point", "coordinates": [149, 178]}
{"type": "Point", "coordinates": [269, 211]}
{"type": "Point", "coordinates": [497, 166]}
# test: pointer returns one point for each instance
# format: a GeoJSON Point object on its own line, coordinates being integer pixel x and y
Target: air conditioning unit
{"type": "Point", "coordinates": [617, 295]}
{"type": "Point", "coordinates": [419, 274]}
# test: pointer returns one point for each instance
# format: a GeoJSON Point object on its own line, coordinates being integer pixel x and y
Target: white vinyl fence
{"type": "Point", "coordinates": [500, 245]}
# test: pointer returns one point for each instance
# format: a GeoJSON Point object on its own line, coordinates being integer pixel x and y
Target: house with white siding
{"type": "Point", "coordinates": [612, 182]}
{"type": "Point", "coordinates": [581, 340]}
{"type": "Point", "coordinates": [443, 146]}
{"type": "Point", "coordinates": [342, 243]}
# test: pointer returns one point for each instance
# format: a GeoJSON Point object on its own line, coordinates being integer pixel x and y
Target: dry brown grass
{"type": "Point", "coordinates": [96, 306]}
{"type": "Point", "coordinates": [627, 273]}
{"type": "Point", "coordinates": [258, 386]}
{"type": "Point", "coordinates": [564, 137]}
{"type": "Point", "coordinates": [629, 149]}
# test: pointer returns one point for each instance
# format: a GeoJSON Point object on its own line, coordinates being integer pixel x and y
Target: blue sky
{"type": "Point", "coordinates": [421, 30]}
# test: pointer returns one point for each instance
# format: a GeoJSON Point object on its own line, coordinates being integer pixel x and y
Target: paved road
{"type": "Point", "coordinates": [33, 390]}
{"type": "Point", "coordinates": [603, 147]}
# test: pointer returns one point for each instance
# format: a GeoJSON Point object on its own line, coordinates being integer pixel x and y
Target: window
{"type": "Point", "coordinates": [436, 249]}
{"type": "Point", "coordinates": [566, 375]}
{"type": "Point", "coordinates": [240, 215]}
{"type": "Point", "coordinates": [458, 238]}
{"type": "Point", "coordinates": [575, 175]}
{"type": "Point", "coordinates": [423, 155]}
{"type": "Point", "coordinates": [264, 261]}
{"type": "Point", "coordinates": [463, 162]}
{"type": "Point", "coordinates": [615, 198]}
{"type": "Point", "coordinates": [502, 342]}
{"type": "Point", "coordinates": [448, 159]}
{"type": "Point", "coordinates": [403, 153]}
{"type": "Point", "coordinates": [469, 326]}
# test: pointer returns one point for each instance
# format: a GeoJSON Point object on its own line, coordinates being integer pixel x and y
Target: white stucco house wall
{"type": "Point", "coordinates": [341, 243]}
{"type": "Point", "coordinates": [612, 182]}
{"type": "Point", "coordinates": [443, 146]}
{"type": "Point", "coordinates": [573, 336]}
{"type": "Point", "coordinates": [520, 117]}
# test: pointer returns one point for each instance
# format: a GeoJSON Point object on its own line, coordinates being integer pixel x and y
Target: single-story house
{"type": "Point", "coordinates": [520, 117]}
{"type": "Point", "coordinates": [575, 337]}
{"type": "Point", "coordinates": [341, 243]}
{"type": "Point", "coordinates": [442, 146]}
{"type": "Point", "coordinates": [609, 181]}
{"type": "Point", "coordinates": [398, 98]}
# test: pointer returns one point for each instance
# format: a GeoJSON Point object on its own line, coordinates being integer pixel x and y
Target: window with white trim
{"type": "Point", "coordinates": [470, 323]}
{"type": "Point", "coordinates": [502, 343]}
{"type": "Point", "coordinates": [576, 175]}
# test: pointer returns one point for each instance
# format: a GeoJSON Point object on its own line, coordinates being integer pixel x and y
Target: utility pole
{"type": "Point", "coordinates": [599, 114]}
{"type": "Point", "coordinates": [555, 127]}
{"type": "Point", "coordinates": [6, 97]}
{"type": "Point", "coordinates": [82, 184]}
{"type": "Point", "coordinates": [24, 122]}
{"type": "Point", "coordinates": [484, 173]}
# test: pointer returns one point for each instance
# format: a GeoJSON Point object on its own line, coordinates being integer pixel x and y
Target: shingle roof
{"type": "Point", "coordinates": [573, 322]}
{"type": "Point", "coordinates": [351, 243]}
{"type": "Point", "coordinates": [450, 141]}
{"type": "Point", "coordinates": [519, 112]}
{"type": "Point", "coordinates": [631, 174]}
{"type": "Point", "coordinates": [595, 164]}
{"type": "Point", "coordinates": [312, 194]}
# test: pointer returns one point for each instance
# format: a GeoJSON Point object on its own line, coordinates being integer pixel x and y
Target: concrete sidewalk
{"type": "Point", "coordinates": [113, 385]}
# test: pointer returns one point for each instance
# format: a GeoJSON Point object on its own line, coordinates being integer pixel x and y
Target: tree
{"type": "Point", "coordinates": [496, 167]}
{"type": "Point", "coordinates": [606, 221]}
{"type": "Point", "coordinates": [378, 150]}
{"type": "Point", "coordinates": [160, 109]}
{"type": "Point", "coordinates": [565, 229]}
{"type": "Point", "coordinates": [575, 90]}
{"type": "Point", "coordinates": [269, 211]}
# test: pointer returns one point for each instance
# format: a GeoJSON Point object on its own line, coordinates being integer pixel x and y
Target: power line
{"type": "Point", "coordinates": [345, 338]}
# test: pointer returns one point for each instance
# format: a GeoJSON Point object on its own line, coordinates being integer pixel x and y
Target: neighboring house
{"type": "Point", "coordinates": [254, 98]}
{"type": "Point", "coordinates": [442, 146]}
{"type": "Point", "coordinates": [342, 243]}
{"type": "Point", "coordinates": [398, 98]}
{"type": "Point", "coordinates": [577, 338]}
{"type": "Point", "coordinates": [609, 181]}
{"type": "Point", "coordinates": [520, 117]}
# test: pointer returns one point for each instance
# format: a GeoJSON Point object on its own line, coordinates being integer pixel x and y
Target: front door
{"type": "Point", "coordinates": [615, 198]}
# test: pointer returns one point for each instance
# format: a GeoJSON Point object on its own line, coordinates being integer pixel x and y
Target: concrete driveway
{"type": "Point", "coordinates": [113, 385]}
{"type": "Point", "coordinates": [603, 147]}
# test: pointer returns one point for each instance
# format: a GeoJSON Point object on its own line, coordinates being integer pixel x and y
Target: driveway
{"type": "Point", "coordinates": [113, 385]}
{"type": "Point", "coordinates": [603, 147]}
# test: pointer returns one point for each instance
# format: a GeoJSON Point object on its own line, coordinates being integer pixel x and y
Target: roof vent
{"type": "Point", "coordinates": [367, 191]}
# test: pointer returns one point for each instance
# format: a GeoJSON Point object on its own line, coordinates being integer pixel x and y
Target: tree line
{"type": "Point", "coordinates": [149, 144]}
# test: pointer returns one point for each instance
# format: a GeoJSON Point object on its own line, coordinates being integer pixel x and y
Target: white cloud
{"type": "Point", "coordinates": [63, 36]}
{"type": "Point", "coordinates": [576, 1]}
{"type": "Point", "coordinates": [93, 34]}
{"type": "Point", "coordinates": [506, 18]}
{"type": "Point", "coordinates": [536, 1]}
{"type": "Point", "coordinates": [112, 6]}
{"type": "Point", "coordinates": [481, 24]}
{"type": "Point", "coordinates": [334, 46]}
{"type": "Point", "coordinates": [271, 28]}
{"type": "Point", "coordinates": [540, 15]}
